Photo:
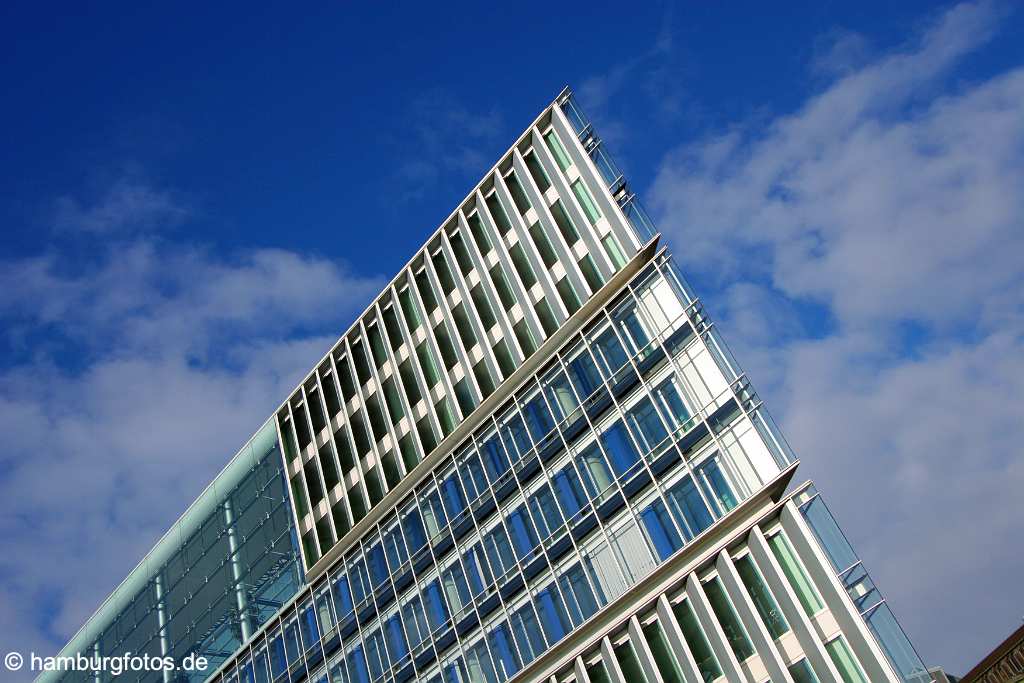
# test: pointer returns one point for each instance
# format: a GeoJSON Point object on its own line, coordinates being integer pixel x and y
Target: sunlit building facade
{"type": "Point", "coordinates": [532, 458]}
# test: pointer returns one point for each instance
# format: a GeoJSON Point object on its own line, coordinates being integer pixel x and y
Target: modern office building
{"type": "Point", "coordinates": [532, 458]}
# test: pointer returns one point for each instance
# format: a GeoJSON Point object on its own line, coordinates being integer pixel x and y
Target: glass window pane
{"type": "Point", "coordinates": [426, 291]}
{"type": "Point", "coordinates": [611, 246]}
{"type": "Point", "coordinates": [762, 598]}
{"type": "Point", "coordinates": [628, 663]}
{"type": "Point", "coordinates": [498, 213]}
{"type": "Point", "coordinates": [590, 273]}
{"type": "Point", "coordinates": [845, 662]}
{"type": "Point", "coordinates": [476, 228]}
{"type": "Point", "coordinates": [586, 201]}
{"type": "Point", "coordinates": [660, 529]}
{"type": "Point", "coordinates": [412, 318]}
{"type": "Point", "coordinates": [663, 657]}
{"type": "Point", "coordinates": [620, 448]}
{"type": "Point", "coordinates": [518, 195]}
{"type": "Point", "coordinates": [794, 572]}
{"type": "Point", "coordinates": [728, 620]}
{"type": "Point", "coordinates": [522, 265]}
{"type": "Point", "coordinates": [537, 172]}
{"type": "Point", "coordinates": [501, 286]}
{"type": "Point", "coordinates": [689, 508]}
{"type": "Point", "coordinates": [701, 650]}
{"type": "Point", "coordinates": [557, 151]}
{"type": "Point", "coordinates": [543, 245]}
{"type": "Point", "coordinates": [565, 225]}
{"type": "Point", "coordinates": [802, 672]}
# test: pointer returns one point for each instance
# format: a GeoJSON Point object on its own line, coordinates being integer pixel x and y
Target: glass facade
{"type": "Point", "coordinates": [502, 446]}
{"type": "Point", "coordinates": [602, 465]}
{"type": "Point", "coordinates": [221, 572]}
{"type": "Point", "coordinates": [865, 595]}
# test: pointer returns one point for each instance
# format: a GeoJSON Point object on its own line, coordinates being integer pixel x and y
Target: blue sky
{"type": "Point", "coordinates": [196, 202]}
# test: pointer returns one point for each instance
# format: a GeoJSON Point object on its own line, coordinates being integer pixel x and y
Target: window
{"type": "Point", "coordinates": [611, 246]}
{"type": "Point", "coordinates": [362, 363]}
{"type": "Point", "coordinates": [525, 338]}
{"type": "Point", "coordinates": [463, 327]}
{"type": "Point", "coordinates": [345, 456]}
{"type": "Point", "coordinates": [412, 390]}
{"type": "Point", "coordinates": [464, 397]}
{"type": "Point", "coordinates": [330, 395]}
{"type": "Point", "coordinates": [609, 351]}
{"type": "Point", "coordinates": [628, 662]}
{"type": "Point", "coordinates": [688, 507]}
{"type": "Point", "coordinates": [527, 632]}
{"type": "Point", "coordinates": [498, 213]}
{"type": "Point", "coordinates": [522, 265]}
{"type": "Point", "coordinates": [359, 432]}
{"type": "Point", "coordinates": [538, 417]}
{"type": "Point", "coordinates": [584, 375]}
{"type": "Point", "coordinates": [597, 674]}
{"type": "Point", "coordinates": [483, 307]}
{"type": "Point", "coordinates": [620, 448]}
{"type": "Point", "coordinates": [502, 288]}
{"type": "Point", "coordinates": [445, 416]}
{"type": "Point", "coordinates": [461, 252]}
{"type": "Point", "coordinates": [565, 225]}
{"type": "Point", "coordinates": [348, 386]}
{"type": "Point", "coordinates": [444, 343]}
{"type": "Point", "coordinates": [560, 395]}
{"type": "Point", "coordinates": [546, 515]}
{"type": "Point", "coordinates": [412, 318]}
{"type": "Point", "coordinates": [668, 397]}
{"type": "Point", "coordinates": [594, 470]}
{"type": "Point", "coordinates": [393, 400]}
{"type": "Point", "coordinates": [516, 190]}
{"type": "Point", "coordinates": [845, 662]}
{"type": "Point", "coordinates": [483, 379]}
{"type": "Point", "coordinates": [540, 240]}
{"type": "Point", "coordinates": [569, 490]}
{"type": "Point", "coordinates": [547, 318]}
{"type": "Point", "coordinates": [444, 274]}
{"type": "Point", "coordinates": [476, 228]}
{"type": "Point", "coordinates": [646, 424]}
{"type": "Point", "coordinates": [660, 529]}
{"type": "Point", "coordinates": [701, 650]}
{"type": "Point", "coordinates": [715, 486]}
{"type": "Point", "coordinates": [393, 329]}
{"type": "Point", "coordinates": [557, 151]}
{"type": "Point", "coordinates": [568, 295]}
{"type": "Point", "coordinates": [663, 657]}
{"type": "Point", "coordinates": [327, 466]}
{"type": "Point", "coordinates": [728, 620]}
{"type": "Point", "coordinates": [426, 291]}
{"type": "Point", "coordinates": [795, 574]}
{"type": "Point", "coordinates": [376, 415]}
{"type": "Point", "coordinates": [537, 172]}
{"type": "Point", "coordinates": [426, 433]}
{"type": "Point", "coordinates": [761, 597]}
{"type": "Point", "coordinates": [505, 362]}
{"type": "Point", "coordinates": [802, 672]}
{"type": "Point", "coordinates": [590, 273]}
{"type": "Point", "coordinates": [427, 364]}
{"type": "Point", "coordinates": [586, 201]}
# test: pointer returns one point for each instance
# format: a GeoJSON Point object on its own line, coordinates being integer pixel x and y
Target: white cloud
{"type": "Point", "coordinates": [127, 205]}
{"type": "Point", "coordinates": [889, 204]}
{"type": "Point", "coordinates": [178, 355]}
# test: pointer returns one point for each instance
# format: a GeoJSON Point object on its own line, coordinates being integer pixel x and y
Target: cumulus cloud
{"type": "Point", "coordinates": [865, 248]}
{"type": "Point", "coordinates": [133, 378]}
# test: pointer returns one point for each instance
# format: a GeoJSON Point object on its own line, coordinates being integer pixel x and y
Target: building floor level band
{"type": "Point", "coordinates": [531, 458]}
